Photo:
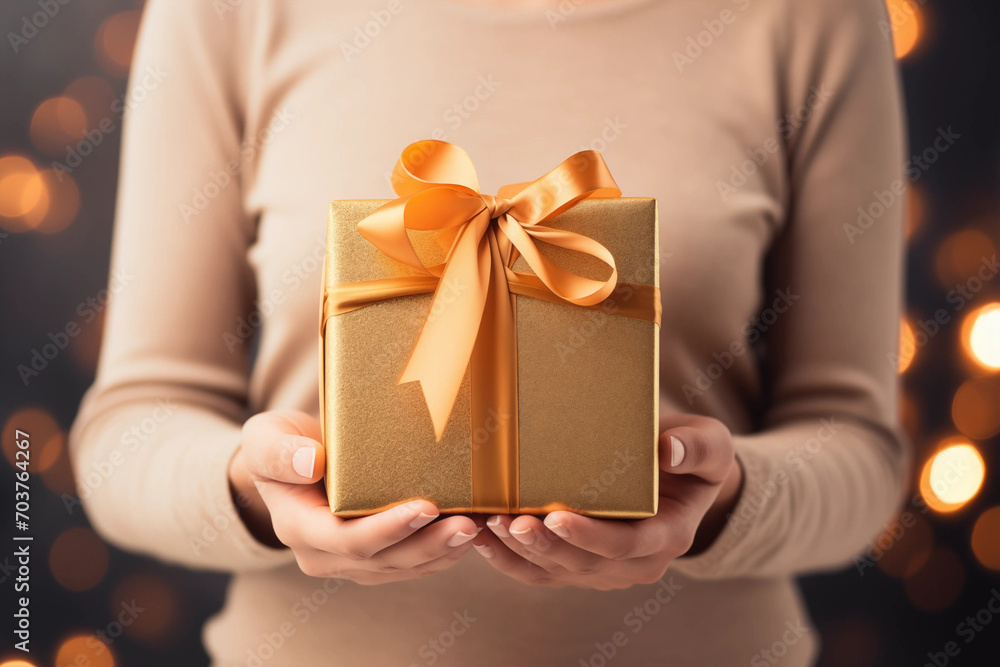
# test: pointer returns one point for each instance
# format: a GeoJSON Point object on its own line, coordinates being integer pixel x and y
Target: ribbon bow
{"type": "Point", "coordinates": [472, 306]}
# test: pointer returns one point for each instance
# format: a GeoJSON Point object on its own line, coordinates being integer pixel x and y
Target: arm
{"type": "Point", "coordinates": [167, 405]}
{"type": "Point", "coordinates": [191, 482]}
{"type": "Point", "coordinates": [830, 465]}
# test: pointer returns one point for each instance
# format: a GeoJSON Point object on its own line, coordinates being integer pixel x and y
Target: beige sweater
{"type": "Point", "coordinates": [761, 126]}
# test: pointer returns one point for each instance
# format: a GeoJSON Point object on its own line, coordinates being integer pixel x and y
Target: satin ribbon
{"type": "Point", "coordinates": [471, 324]}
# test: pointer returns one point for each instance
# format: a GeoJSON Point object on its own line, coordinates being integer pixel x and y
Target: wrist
{"type": "Point", "coordinates": [714, 521]}
{"type": "Point", "coordinates": [250, 507]}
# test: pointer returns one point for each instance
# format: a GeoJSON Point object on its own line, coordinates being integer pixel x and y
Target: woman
{"type": "Point", "coordinates": [765, 128]}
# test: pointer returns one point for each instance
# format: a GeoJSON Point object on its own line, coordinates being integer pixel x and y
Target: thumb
{"type": "Point", "coordinates": [283, 446]}
{"type": "Point", "coordinates": [703, 448]}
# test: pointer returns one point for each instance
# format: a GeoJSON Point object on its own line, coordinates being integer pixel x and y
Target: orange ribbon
{"type": "Point", "coordinates": [471, 324]}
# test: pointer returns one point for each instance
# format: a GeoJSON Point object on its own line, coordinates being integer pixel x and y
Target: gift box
{"type": "Point", "coordinates": [492, 354]}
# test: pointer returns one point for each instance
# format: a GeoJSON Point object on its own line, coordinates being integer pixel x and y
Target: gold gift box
{"type": "Point", "coordinates": [587, 382]}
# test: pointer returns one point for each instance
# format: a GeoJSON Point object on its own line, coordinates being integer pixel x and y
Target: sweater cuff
{"type": "Point", "coordinates": [224, 540]}
{"type": "Point", "coordinates": [717, 561]}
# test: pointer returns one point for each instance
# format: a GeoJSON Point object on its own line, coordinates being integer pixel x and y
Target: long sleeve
{"type": "Point", "coordinates": [164, 415]}
{"type": "Point", "coordinates": [829, 465]}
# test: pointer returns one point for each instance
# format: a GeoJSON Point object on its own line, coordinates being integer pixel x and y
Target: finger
{"type": "Point", "coordinates": [500, 556]}
{"type": "Point", "coordinates": [500, 526]}
{"type": "Point", "coordinates": [536, 537]}
{"type": "Point", "coordinates": [275, 448]}
{"type": "Point", "coordinates": [613, 539]}
{"type": "Point", "coordinates": [702, 448]}
{"type": "Point", "coordinates": [301, 516]}
{"type": "Point", "coordinates": [369, 577]}
{"type": "Point", "coordinates": [437, 540]}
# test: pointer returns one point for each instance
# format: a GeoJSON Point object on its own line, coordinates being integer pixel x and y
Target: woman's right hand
{"type": "Point", "coordinates": [275, 477]}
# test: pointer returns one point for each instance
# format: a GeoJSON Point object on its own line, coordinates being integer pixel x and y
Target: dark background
{"type": "Point", "coordinates": [55, 236]}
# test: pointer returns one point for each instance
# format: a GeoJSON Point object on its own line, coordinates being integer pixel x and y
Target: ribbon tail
{"type": "Point", "coordinates": [493, 369]}
{"type": "Point", "coordinates": [443, 349]}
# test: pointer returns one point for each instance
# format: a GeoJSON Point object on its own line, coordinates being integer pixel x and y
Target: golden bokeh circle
{"type": "Point", "coordinates": [904, 545]}
{"type": "Point", "coordinates": [41, 428]}
{"type": "Point", "coordinates": [22, 193]}
{"type": "Point", "coordinates": [907, 346]}
{"type": "Point", "coordinates": [84, 650]}
{"type": "Point", "coordinates": [63, 203]}
{"type": "Point", "coordinates": [961, 256]}
{"type": "Point", "coordinates": [952, 476]}
{"type": "Point", "coordinates": [158, 601]}
{"type": "Point", "coordinates": [975, 409]}
{"type": "Point", "coordinates": [57, 123]}
{"type": "Point", "coordinates": [906, 24]}
{"type": "Point", "coordinates": [95, 95]}
{"type": "Point", "coordinates": [981, 336]}
{"type": "Point", "coordinates": [938, 583]}
{"type": "Point", "coordinates": [986, 538]}
{"type": "Point", "coordinates": [914, 212]}
{"type": "Point", "coordinates": [78, 559]}
{"type": "Point", "coordinates": [115, 41]}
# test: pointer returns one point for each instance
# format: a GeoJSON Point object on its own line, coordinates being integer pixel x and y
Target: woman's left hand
{"type": "Point", "coordinates": [700, 482]}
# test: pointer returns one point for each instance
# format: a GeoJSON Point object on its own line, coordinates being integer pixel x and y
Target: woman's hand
{"type": "Point", "coordinates": [276, 473]}
{"type": "Point", "coordinates": [700, 482]}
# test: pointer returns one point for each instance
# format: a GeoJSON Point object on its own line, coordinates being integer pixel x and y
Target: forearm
{"type": "Point", "coordinates": [152, 476]}
{"type": "Point", "coordinates": [814, 493]}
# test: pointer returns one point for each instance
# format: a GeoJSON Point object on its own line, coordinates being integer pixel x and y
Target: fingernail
{"type": "Point", "coordinates": [486, 550]}
{"type": "Point", "coordinates": [676, 452]}
{"type": "Point", "coordinates": [498, 528]}
{"type": "Point", "coordinates": [460, 538]}
{"type": "Point", "coordinates": [422, 520]}
{"type": "Point", "coordinates": [303, 461]}
{"type": "Point", "coordinates": [524, 536]}
{"type": "Point", "coordinates": [558, 529]}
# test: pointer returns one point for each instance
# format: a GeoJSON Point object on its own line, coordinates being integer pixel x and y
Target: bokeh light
{"type": "Point", "coordinates": [961, 255]}
{"type": "Point", "coordinates": [58, 122]}
{"type": "Point", "coordinates": [41, 428]}
{"type": "Point", "coordinates": [909, 414]}
{"type": "Point", "coordinates": [904, 546]}
{"type": "Point", "coordinates": [22, 192]}
{"type": "Point", "coordinates": [907, 346]}
{"type": "Point", "coordinates": [952, 476]}
{"type": "Point", "coordinates": [63, 203]}
{"type": "Point", "coordinates": [986, 538]}
{"type": "Point", "coordinates": [95, 95]}
{"type": "Point", "coordinates": [976, 407]}
{"type": "Point", "coordinates": [981, 335]}
{"type": "Point", "coordinates": [938, 583]}
{"type": "Point", "coordinates": [50, 452]}
{"type": "Point", "coordinates": [58, 478]}
{"type": "Point", "coordinates": [16, 663]}
{"type": "Point", "coordinates": [84, 650]}
{"type": "Point", "coordinates": [159, 602]}
{"type": "Point", "coordinates": [906, 23]}
{"type": "Point", "coordinates": [914, 211]}
{"type": "Point", "coordinates": [78, 559]}
{"type": "Point", "coordinates": [115, 41]}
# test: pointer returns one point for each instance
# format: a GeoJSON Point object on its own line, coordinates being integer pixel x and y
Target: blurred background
{"type": "Point", "coordinates": [926, 582]}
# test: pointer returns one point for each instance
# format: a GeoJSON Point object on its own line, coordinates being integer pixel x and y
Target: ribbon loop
{"type": "Point", "coordinates": [439, 190]}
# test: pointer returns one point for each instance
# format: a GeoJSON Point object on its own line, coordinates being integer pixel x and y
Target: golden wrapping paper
{"type": "Point", "coordinates": [587, 381]}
